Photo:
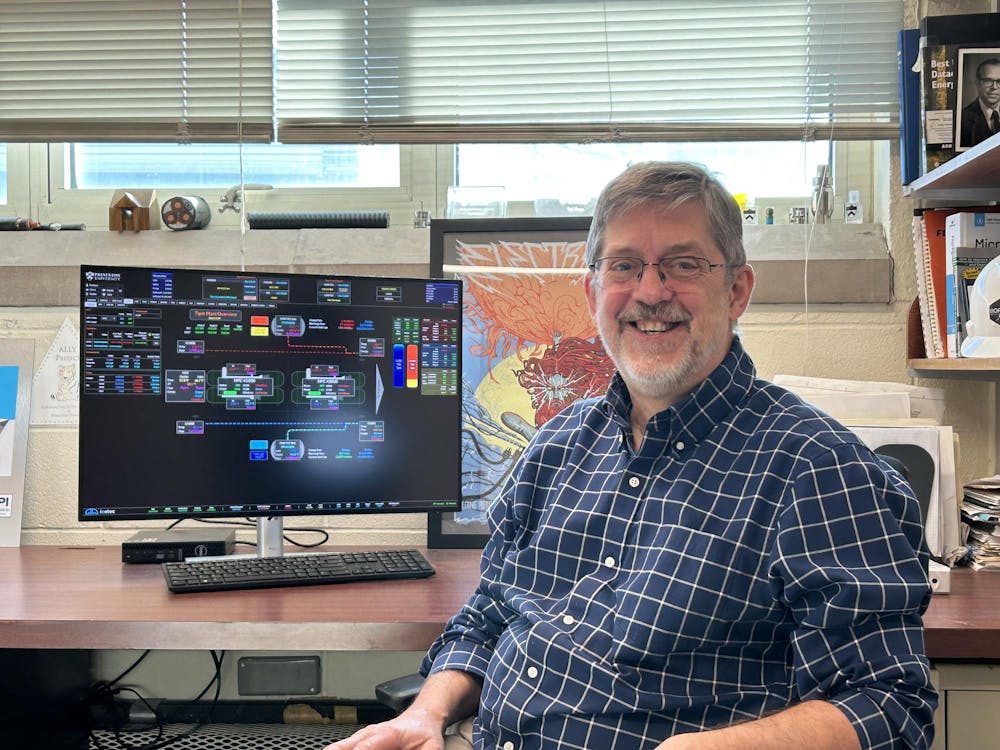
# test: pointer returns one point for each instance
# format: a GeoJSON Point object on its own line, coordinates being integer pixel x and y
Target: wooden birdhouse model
{"type": "Point", "coordinates": [133, 211]}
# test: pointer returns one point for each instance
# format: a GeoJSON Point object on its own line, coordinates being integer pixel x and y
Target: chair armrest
{"type": "Point", "coordinates": [399, 692]}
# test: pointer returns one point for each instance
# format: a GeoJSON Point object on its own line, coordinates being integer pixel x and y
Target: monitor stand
{"type": "Point", "coordinates": [270, 541]}
{"type": "Point", "coordinates": [270, 536]}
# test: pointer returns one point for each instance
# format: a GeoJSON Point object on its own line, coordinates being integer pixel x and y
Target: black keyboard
{"type": "Point", "coordinates": [307, 569]}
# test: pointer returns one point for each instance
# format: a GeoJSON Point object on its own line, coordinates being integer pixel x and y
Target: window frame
{"type": "Point", "coordinates": [58, 203]}
{"type": "Point", "coordinates": [36, 174]}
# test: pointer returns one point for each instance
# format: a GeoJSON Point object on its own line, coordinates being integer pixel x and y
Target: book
{"type": "Point", "coordinates": [907, 55]}
{"type": "Point", "coordinates": [951, 47]}
{"type": "Point", "coordinates": [978, 234]}
{"type": "Point", "coordinates": [969, 261]}
{"type": "Point", "coordinates": [930, 332]}
{"type": "Point", "coordinates": [932, 244]}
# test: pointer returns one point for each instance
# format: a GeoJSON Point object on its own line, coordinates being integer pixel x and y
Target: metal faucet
{"type": "Point", "coordinates": [822, 197]}
{"type": "Point", "coordinates": [233, 198]}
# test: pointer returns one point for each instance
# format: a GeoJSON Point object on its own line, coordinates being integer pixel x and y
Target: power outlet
{"type": "Point", "coordinates": [278, 675]}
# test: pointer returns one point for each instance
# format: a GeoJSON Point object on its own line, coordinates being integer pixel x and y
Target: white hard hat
{"type": "Point", "coordinates": [983, 326]}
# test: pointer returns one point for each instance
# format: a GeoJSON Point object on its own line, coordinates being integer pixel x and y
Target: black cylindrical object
{"type": "Point", "coordinates": [320, 220]}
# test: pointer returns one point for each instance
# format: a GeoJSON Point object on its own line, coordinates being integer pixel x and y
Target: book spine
{"type": "Point", "coordinates": [907, 54]}
{"type": "Point", "coordinates": [928, 323]}
{"type": "Point", "coordinates": [932, 237]}
{"type": "Point", "coordinates": [939, 96]}
{"type": "Point", "coordinates": [952, 321]}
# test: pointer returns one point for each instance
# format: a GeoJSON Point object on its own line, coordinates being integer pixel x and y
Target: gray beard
{"type": "Point", "coordinates": [658, 382]}
{"type": "Point", "coordinates": [666, 382]}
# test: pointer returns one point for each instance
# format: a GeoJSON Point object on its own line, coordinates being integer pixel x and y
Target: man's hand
{"type": "Point", "coordinates": [412, 730]}
{"type": "Point", "coordinates": [445, 698]}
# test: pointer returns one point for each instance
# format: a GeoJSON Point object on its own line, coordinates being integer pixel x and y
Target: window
{"type": "Point", "coordinates": [3, 173]}
{"type": "Point", "coordinates": [151, 165]}
{"type": "Point", "coordinates": [571, 175]}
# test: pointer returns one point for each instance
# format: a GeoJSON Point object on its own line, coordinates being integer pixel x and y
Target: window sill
{"type": "Point", "coordinates": [847, 263]}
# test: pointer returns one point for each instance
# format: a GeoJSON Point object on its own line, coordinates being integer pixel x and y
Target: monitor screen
{"type": "Point", "coordinates": [248, 394]}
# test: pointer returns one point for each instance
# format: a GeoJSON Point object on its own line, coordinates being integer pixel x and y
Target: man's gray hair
{"type": "Point", "coordinates": [666, 185]}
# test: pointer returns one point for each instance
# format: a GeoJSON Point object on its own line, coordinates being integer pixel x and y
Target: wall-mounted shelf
{"type": "Point", "coordinates": [973, 175]}
{"type": "Point", "coordinates": [959, 368]}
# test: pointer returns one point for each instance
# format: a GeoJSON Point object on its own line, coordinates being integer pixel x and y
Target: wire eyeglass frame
{"type": "Point", "coordinates": [624, 271]}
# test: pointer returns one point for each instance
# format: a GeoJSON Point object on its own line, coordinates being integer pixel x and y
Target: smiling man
{"type": "Point", "coordinates": [697, 559]}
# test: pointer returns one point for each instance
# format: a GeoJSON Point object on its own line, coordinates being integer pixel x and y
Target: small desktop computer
{"type": "Point", "coordinates": [173, 545]}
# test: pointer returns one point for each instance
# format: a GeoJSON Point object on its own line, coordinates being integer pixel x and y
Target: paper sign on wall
{"type": "Point", "coordinates": [54, 397]}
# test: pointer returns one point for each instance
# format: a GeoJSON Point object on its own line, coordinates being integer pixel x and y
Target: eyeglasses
{"type": "Point", "coordinates": [990, 81]}
{"type": "Point", "coordinates": [627, 271]}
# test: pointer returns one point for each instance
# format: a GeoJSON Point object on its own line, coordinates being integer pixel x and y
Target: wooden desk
{"type": "Point", "coordinates": [85, 598]}
{"type": "Point", "coordinates": [964, 624]}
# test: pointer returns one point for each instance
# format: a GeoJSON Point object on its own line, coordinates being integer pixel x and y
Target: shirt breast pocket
{"type": "Point", "coordinates": [693, 591]}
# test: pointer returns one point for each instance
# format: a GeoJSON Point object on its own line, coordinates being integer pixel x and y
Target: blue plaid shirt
{"type": "Point", "coordinates": [751, 554]}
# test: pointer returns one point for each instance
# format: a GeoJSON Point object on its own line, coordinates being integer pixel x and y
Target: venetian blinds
{"type": "Point", "coordinates": [409, 71]}
{"type": "Point", "coordinates": [135, 70]}
{"type": "Point", "coordinates": [412, 71]}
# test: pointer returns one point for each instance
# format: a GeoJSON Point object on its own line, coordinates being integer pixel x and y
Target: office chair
{"type": "Point", "coordinates": [917, 467]}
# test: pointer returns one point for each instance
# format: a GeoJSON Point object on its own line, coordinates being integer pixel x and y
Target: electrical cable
{"type": "Point", "coordinates": [135, 664]}
{"type": "Point", "coordinates": [160, 741]}
{"type": "Point", "coordinates": [251, 523]}
{"type": "Point", "coordinates": [808, 240]}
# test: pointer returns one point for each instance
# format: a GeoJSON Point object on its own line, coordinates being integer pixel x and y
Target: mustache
{"type": "Point", "coordinates": [666, 311]}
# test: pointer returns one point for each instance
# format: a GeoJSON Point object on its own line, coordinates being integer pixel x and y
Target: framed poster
{"type": "Point", "coordinates": [530, 347]}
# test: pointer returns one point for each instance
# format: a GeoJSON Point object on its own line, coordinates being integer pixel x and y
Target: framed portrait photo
{"type": "Point", "coordinates": [530, 347]}
{"type": "Point", "coordinates": [978, 96]}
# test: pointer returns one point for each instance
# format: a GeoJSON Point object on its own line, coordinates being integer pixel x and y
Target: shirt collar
{"type": "Point", "coordinates": [694, 416]}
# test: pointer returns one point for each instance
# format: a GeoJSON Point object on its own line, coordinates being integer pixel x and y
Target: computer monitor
{"type": "Point", "coordinates": [221, 394]}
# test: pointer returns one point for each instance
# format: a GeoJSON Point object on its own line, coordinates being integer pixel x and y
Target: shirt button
{"type": "Point", "coordinates": [508, 745]}
{"type": "Point", "coordinates": [633, 481]}
{"type": "Point", "coordinates": [568, 620]}
{"type": "Point", "coordinates": [532, 673]}
{"type": "Point", "coordinates": [679, 445]}
{"type": "Point", "coordinates": [609, 561]}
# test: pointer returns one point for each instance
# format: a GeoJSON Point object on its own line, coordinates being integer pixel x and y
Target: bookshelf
{"type": "Point", "coordinates": [973, 176]}
{"type": "Point", "coordinates": [961, 368]}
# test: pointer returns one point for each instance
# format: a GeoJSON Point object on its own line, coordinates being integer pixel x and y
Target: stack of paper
{"type": "Point", "coordinates": [867, 399]}
{"type": "Point", "coordinates": [981, 515]}
{"type": "Point", "coordinates": [982, 500]}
